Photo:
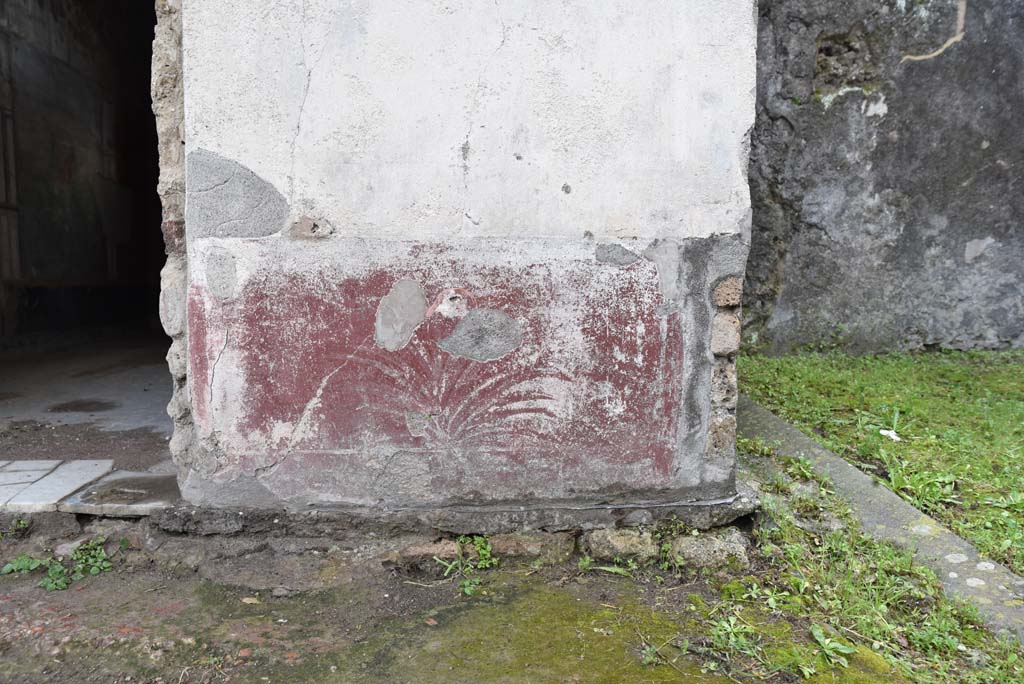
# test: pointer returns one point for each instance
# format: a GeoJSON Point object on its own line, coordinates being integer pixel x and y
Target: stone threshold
{"type": "Point", "coordinates": [83, 486]}
{"type": "Point", "coordinates": [997, 593]}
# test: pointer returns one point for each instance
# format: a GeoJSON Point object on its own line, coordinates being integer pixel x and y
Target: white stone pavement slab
{"type": "Point", "coordinates": [21, 476]}
{"type": "Point", "coordinates": [3, 463]}
{"type": "Point", "coordinates": [30, 465]}
{"type": "Point", "coordinates": [69, 477]}
{"type": "Point", "coordinates": [8, 492]}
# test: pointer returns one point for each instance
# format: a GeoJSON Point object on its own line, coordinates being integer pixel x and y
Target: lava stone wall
{"type": "Point", "coordinates": [886, 175]}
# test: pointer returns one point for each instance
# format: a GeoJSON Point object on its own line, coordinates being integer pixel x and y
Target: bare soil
{"type": "Point", "coordinates": [131, 449]}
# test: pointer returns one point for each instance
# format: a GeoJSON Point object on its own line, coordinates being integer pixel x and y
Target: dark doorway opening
{"type": "Point", "coordinates": [81, 349]}
{"type": "Point", "coordinates": [81, 238]}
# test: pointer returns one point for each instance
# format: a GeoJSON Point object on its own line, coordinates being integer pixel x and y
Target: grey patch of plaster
{"type": "Point", "coordinates": [399, 313]}
{"type": "Point", "coordinates": [234, 489]}
{"type": "Point", "coordinates": [225, 199]}
{"type": "Point", "coordinates": [686, 271]}
{"type": "Point", "coordinates": [975, 248]}
{"type": "Point", "coordinates": [665, 255]}
{"type": "Point", "coordinates": [483, 335]}
{"type": "Point", "coordinates": [615, 254]}
{"type": "Point", "coordinates": [220, 273]}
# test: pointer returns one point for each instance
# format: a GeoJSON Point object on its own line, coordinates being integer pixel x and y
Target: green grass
{"type": "Point", "coordinates": [960, 416]}
{"type": "Point", "coordinates": [854, 591]}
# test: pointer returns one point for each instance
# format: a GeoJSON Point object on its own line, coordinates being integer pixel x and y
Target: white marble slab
{"type": "Point", "coordinates": [8, 492]}
{"type": "Point", "coordinates": [44, 494]}
{"type": "Point", "coordinates": [21, 476]}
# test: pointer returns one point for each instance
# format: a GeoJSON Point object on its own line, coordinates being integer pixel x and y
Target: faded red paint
{"type": "Point", "coordinates": [319, 392]}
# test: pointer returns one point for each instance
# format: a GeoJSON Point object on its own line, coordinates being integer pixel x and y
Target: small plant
{"type": "Point", "coordinates": [778, 484]}
{"type": "Point", "coordinates": [731, 634]}
{"type": "Point", "coordinates": [22, 564]}
{"type": "Point", "coordinates": [671, 528]}
{"type": "Point", "coordinates": [90, 558]}
{"type": "Point", "coordinates": [484, 556]}
{"type": "Point", "coordinates": [584, 564]}
{"type": "Point", "coordinates": [469, 585]}
{"type": "Point", "coordinates": [800, 468]}
{"type": "Point", "coordinates": [56, 578]}
{"type": "Point", "coordinates": [649, 655]}
{"type": "Point", "coordinates": [18, 528]}
{"type": "Point", "coordinates": [464, 567]}
{"type": "Point", "coordinates": [834, 651]}
{"type": "Point", "coordinates": [806, 506]}
{"type": "Point", "coordinates": [755, 447]}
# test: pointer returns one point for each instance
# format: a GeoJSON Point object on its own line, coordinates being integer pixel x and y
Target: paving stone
{"type": "Point", "coordinates": [3, 463]}
{"type": "Point", "coordinates": [21, 476]}
{"type": "Point", "coordinates": [8, 492]}
{"type": "Point", "coordinates": [124, 493]}
{"type": "Point", "coordinates": [30, 465]}
{"type": "Point", "coordinates": [44, 494]}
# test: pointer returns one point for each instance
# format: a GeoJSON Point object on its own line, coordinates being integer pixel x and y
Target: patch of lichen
{"type": "Point", "coordinates": [541, 634]}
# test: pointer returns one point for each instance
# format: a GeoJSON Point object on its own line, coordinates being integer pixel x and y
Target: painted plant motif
{"type": "Point", "coordinates": [446, 375]}
{"type": "Point", "coordinates": [562, 367]}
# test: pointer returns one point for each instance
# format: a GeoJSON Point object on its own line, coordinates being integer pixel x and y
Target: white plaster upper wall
{"type": "Point", "coordinates": [404, 118]}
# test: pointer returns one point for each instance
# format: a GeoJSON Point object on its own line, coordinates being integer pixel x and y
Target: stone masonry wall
{"type": "Point", "coordinates": [168, 108]}
{"type": "Point", "coordinates": [886, 175]}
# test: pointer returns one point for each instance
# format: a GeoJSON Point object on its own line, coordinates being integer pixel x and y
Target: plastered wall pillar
{"type": "Point", "coordinates": [465, 254]}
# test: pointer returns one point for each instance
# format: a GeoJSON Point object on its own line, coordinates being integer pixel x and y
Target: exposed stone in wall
{"type": "Point", "coordinates": [168, 108]}
{"type": "Point", "coordinates": [886, 174]}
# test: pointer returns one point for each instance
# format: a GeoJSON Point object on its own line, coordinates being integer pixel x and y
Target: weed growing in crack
{"type": "Point", "coordinates": [465, 567]}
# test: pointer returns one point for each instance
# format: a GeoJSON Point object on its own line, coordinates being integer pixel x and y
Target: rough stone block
{"type": "Point", "coordinates": [725, 334]}
{"type": "Point", "coordinates": [622, 543]}
{"type": "Point", "coordinates": [723, 384]}
{"type": "Point", "coordinates": [713, 550]}
{"type": "Point", "coordinates": [549, 546]}
{"type": "Point", "coordinates": [728, 293]}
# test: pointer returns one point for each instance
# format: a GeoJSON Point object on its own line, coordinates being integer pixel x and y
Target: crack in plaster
{"type": "Point", "coordinates": [215, 186]}
{"type": "Point", "coordinates": [303, 425]}
{"type": "Point", "coordinates": [213, 369]}
{"type": "Point", "coordinates": [465, 148]}
{"type": "Point", "coordinates": [302, 104]}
